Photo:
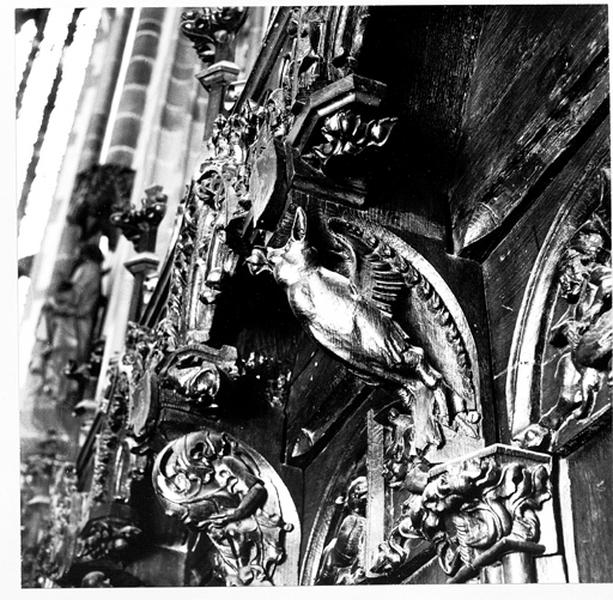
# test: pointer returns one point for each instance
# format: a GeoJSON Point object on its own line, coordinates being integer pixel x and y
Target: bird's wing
{"type": "Point", "coordinates": [366, 263]}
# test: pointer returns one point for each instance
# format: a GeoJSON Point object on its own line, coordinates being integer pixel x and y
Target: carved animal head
{"type": "Point", "coordinates": [292, 261]}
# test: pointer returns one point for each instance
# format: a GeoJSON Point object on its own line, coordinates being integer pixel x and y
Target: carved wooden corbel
{"type": "Point", "coordinates": [357, 294]}
{"type": "Point", "coordinates": [217, 486]}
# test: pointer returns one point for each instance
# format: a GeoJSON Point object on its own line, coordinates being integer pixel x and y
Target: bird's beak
{"type": "Point", "coordinates": [257, 261]}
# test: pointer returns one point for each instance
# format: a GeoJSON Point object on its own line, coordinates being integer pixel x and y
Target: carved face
{"type": "Point", "coordinates": [574, 270]}
{"type": "Point", "coordinates": [200, 381]}
{"type": "Point", "coordinates": [356, 494]}
{"type": "Point", "coordinates": [291, 261]}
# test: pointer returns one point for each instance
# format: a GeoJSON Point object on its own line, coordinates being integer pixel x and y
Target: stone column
{"type": "Point", "coordinates": [60, 239]}
{"type": "Point", "coordinates": [129, 117]}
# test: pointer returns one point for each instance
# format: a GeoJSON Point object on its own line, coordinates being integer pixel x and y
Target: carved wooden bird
{"type": "Point", "coordinates": [348, 309]}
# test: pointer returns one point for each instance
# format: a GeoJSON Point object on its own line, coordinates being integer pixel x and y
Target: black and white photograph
{"type": "Point", "coordinates": [312, 295]}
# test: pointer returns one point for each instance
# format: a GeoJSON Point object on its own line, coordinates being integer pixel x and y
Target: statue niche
{"type": "Point", "coordinates": [581, 337]}
{"type": "Point", "coordinates": [216, 487]}
{"type": "Point", "coordinates": [350, 296]}
{"type": "Point", "coordinates": [342, 560]}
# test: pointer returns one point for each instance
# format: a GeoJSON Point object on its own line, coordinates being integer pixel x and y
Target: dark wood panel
{"type": "Point", "coordinates": [591, 480]}
{"type": "Point", "coordinates": [507, 269]}
{"type": "Point", "coordinates": [540, 74]}
{"type": "Point", "coordinates": [425, 56]}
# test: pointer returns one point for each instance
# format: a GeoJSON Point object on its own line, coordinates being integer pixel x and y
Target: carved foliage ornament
{"type": "Point", "coordinates": [139, 225]}
{"type": "Point", "coordinates": [327, 41]}
{"type": "Point", "coordinates": [346, 134]}
{"type": "Point", "coordinates": [210, 28]}
{"type": "Point", "coordinates": [212, 484]}
{"type": "Point", "coordinates": [106, 538]}
{"type": "Point", "coordinates": [581, 337]}
{"type": "Point", "coordinates": [474, 512]}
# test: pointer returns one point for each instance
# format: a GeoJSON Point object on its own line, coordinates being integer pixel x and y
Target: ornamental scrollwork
{"type": "Point", "coordinates": [209, 481]}
{"type": "Point", "coordinates": [473, 512]}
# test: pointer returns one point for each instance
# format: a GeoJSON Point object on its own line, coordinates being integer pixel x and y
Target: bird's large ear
{"type": "Point", "coordinates": [299, 226]}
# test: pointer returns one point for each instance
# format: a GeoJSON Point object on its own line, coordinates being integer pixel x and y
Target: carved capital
{"type": "Point", "coordinates": [139, 225]}
{"type": "Point", "coordinates": [212, 29]}
{"type": "Point", "coordinates": [475, 511]}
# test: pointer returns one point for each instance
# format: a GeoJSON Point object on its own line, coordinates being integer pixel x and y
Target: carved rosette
{"type": "Point", "coordinates": [215, 485]}
{"type": "Point", "coordinates": [474, 511]}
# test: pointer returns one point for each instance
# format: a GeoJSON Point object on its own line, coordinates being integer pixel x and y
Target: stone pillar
{"type": "Point", "coordinates": [172, 140]}
{"type": "Point", "coordinates": [129, 144]}
{"type": "Point", "coordinates": [106, 88]}
{"type": "Point", "coordinates": [129, 117]}
{"type": "Point", "coordinates": [60, 239]}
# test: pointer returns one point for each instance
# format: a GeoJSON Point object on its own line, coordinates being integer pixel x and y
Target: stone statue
{"type": "Point", "coordinates": [68, 318]}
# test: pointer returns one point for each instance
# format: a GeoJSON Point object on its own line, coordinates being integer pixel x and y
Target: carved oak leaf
{"type": "Point", "coordinates": [347, 135]}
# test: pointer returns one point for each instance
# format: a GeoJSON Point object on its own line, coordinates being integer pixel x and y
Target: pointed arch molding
{"type": "Point", "coordinates": [523, 386]}
{"type": "Point", "coordinates": [432, 313]}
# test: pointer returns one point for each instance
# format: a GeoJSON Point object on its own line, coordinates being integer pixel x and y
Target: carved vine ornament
{"type": "Point", "coordinates": [212, 484]}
